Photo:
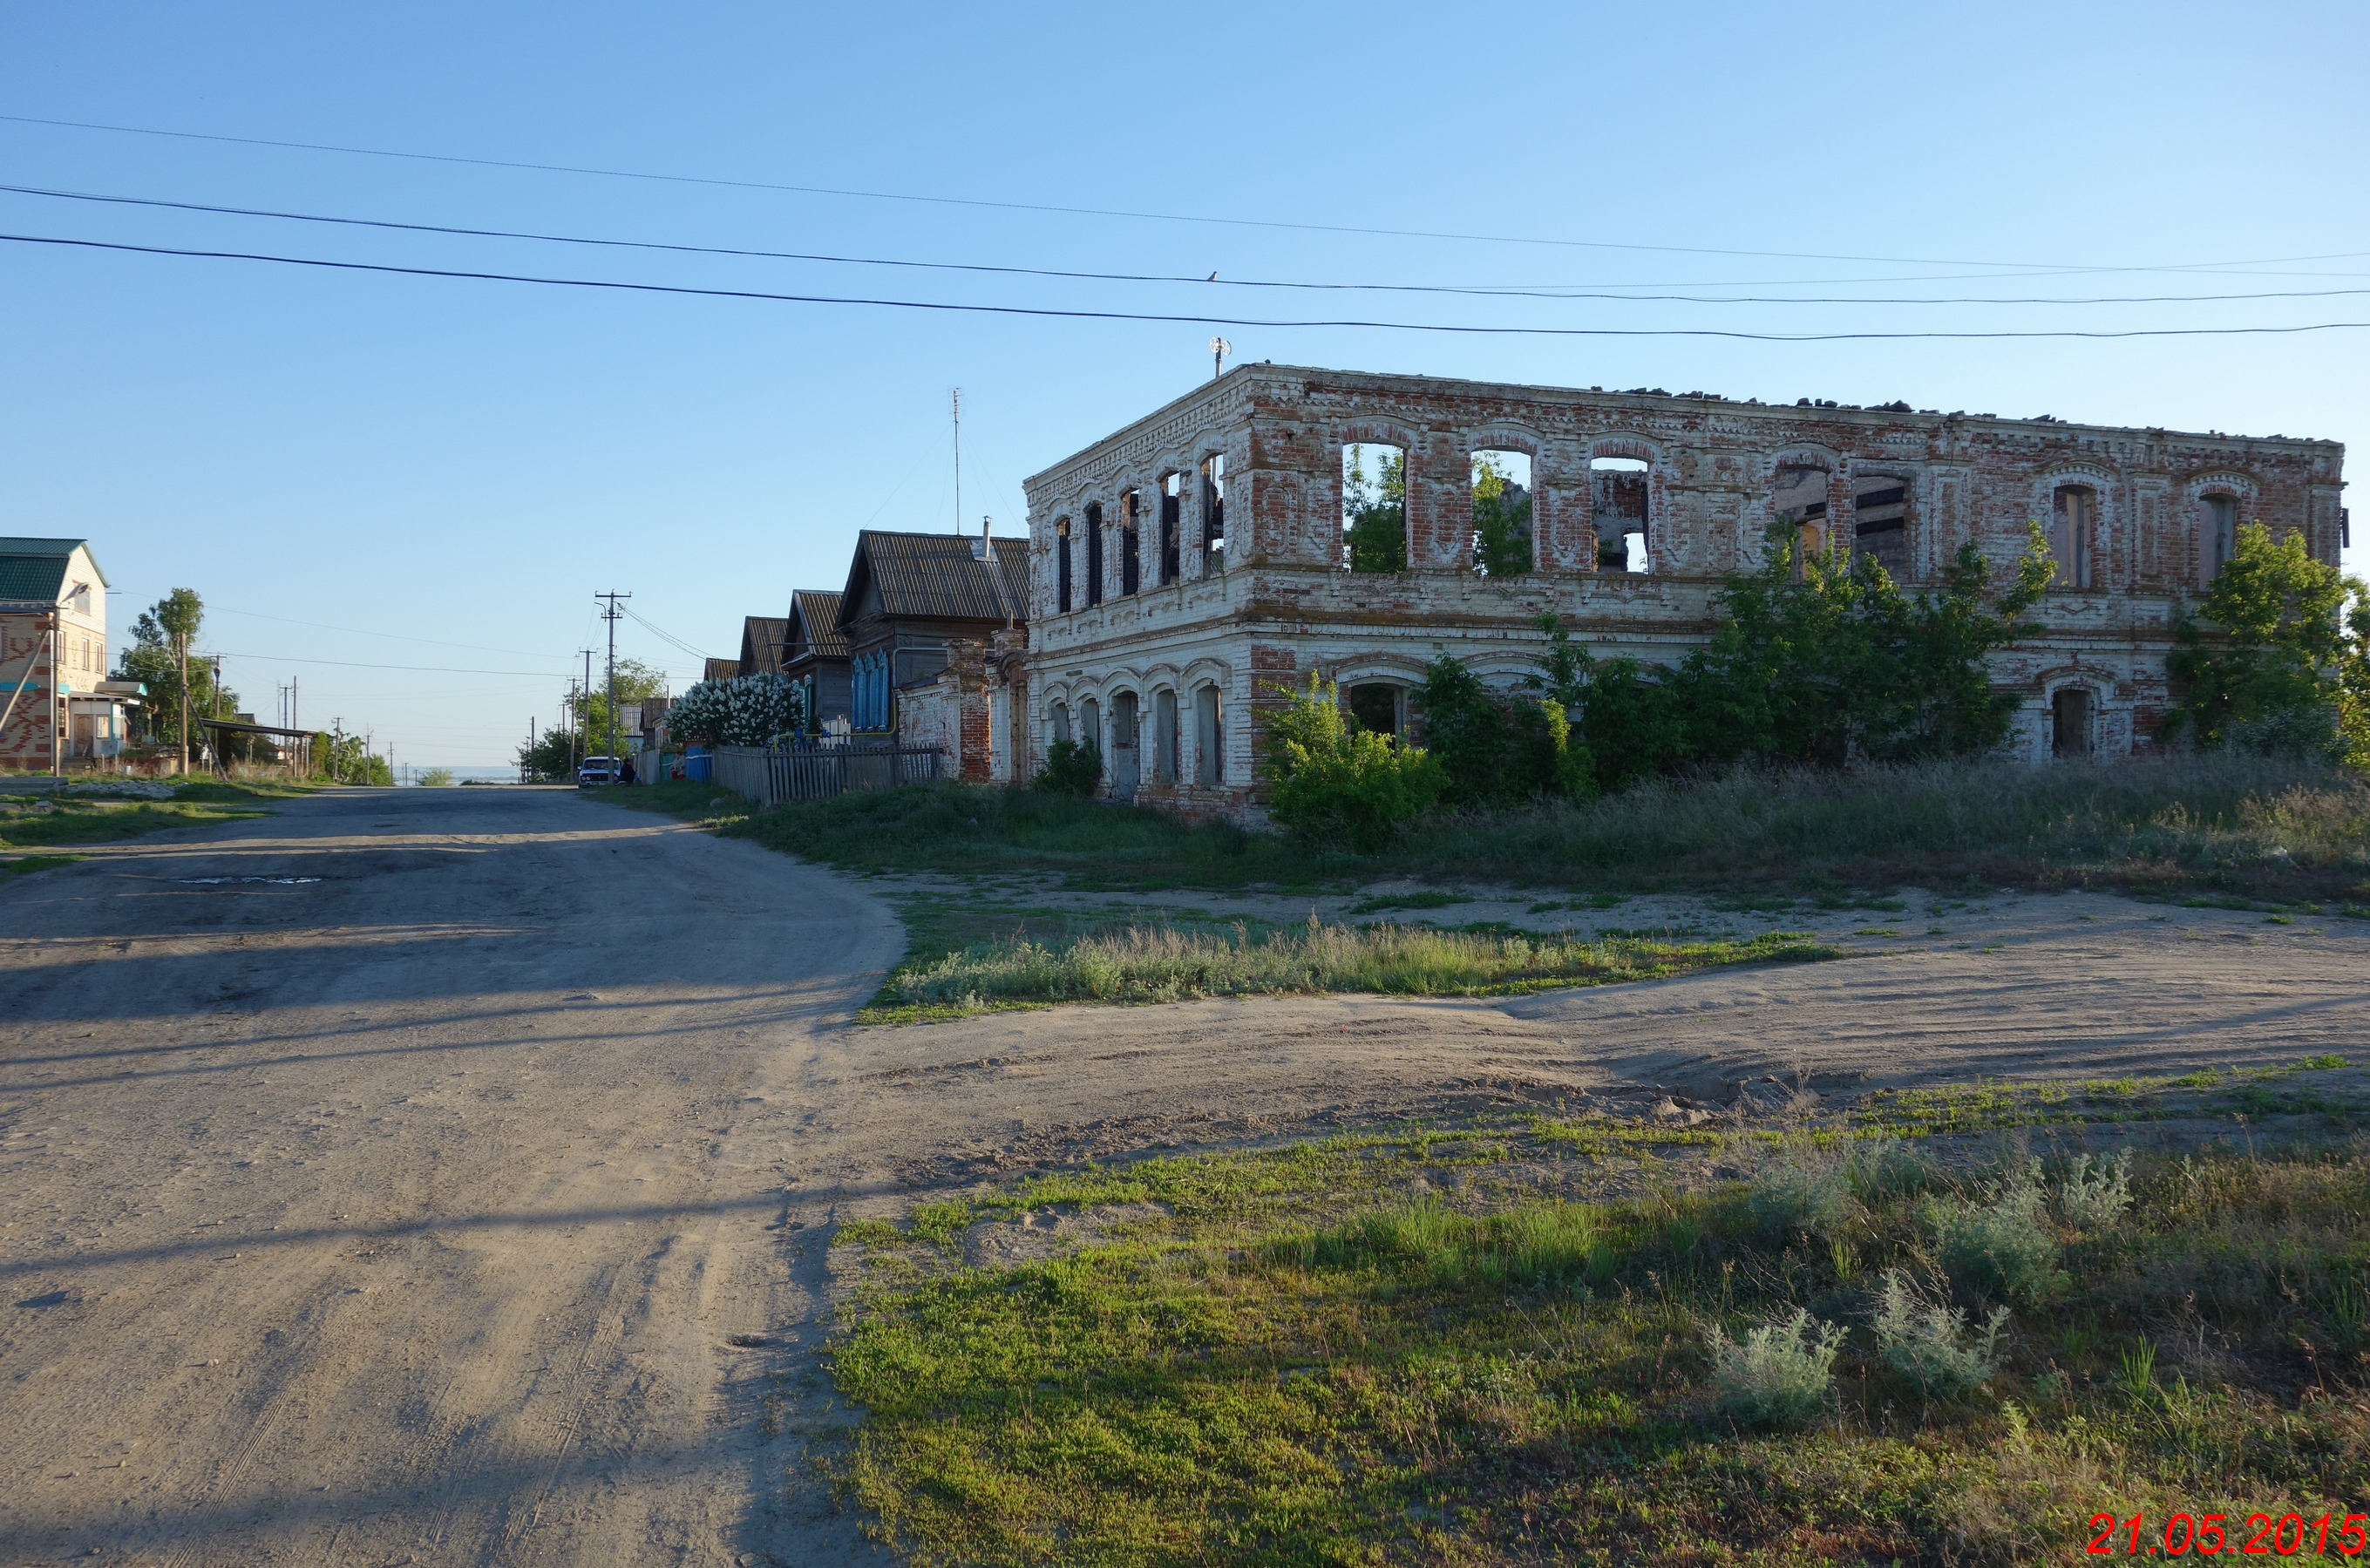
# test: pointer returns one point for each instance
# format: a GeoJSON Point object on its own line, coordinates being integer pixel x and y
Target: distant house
{"type": "Point", "coordinates": [57, 705]}
{"type": "Point", "coordinates": [761, 645]}
{"type": "Point", "coordinates": [911, 600]}
{"type": "Point", "coordinates": [814, 655]}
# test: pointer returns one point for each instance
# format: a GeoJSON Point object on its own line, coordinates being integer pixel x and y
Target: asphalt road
{"type": "Point", "coordinates": [386, 1181]}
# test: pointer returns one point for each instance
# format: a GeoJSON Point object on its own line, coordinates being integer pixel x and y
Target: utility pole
{"type": "Point", "coordinates": [957, 409]}
{"type": "Point", "coordinates": [183, 639]}
{"type": "Point", "coordinates": [611, 614]}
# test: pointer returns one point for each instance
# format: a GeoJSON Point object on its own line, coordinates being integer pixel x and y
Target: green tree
{"type": "Point", "coordinates": [2281, 668]}
{"type": "Point", "coordinates": [636, 682]}
{"type": "Point", "coordinates": [1502, 521]}
{"type": "Point", "coordinates": [161, 636]}
{"type": "Point", "coordinates": [552, 759]}
{"type": "Point", "coordinates": [1332, 784]}
{"type": "Point", "coordinates": [1373, 512]}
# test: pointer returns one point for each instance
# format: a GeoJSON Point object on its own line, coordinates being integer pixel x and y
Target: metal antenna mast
{"type": "Point", "coordinates": [611, 614]}
{"type": "Point", "coordinates": [1219, 349]}
{"type": "Point", "coordinates": [957, 402]}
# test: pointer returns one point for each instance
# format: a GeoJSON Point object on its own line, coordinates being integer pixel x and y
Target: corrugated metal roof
{"type": "Point", "coordinates": [938, 575]}
{"type": "Point", "coordinates": [36, 569]}
{"type": "Point", "coordinates": [761, 644]}
{"type": "Point", "coordinates": [814, 612]}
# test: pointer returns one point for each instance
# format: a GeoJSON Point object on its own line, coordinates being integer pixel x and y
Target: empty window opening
{"type": "Point", "coordinates": [1125, 769]}
{"type": "Point", "coordinates": [1373, 508]}
{"type": "Point", "coordinates": [1378, 707]}
{"type": "Point", "coordinates": [1057, 721]}
{"type": "Point", "coordinates": [1094, 552]}
{"type": "Point", "coordinates": [2069, 723]}
{"type": "Point", "coordinates": [1618, 492]}
{"type": "Point", "coordinates": [1798, 497]}
{"type": "Point", "coordinates": [1502, 513]}
{"type": "Point", "coordinates": [1164, 737]}
{"type": "Point", "coordinates": [1130, 542]}
{"type": "Point", "coordinates": [2221, 525]}
{"type": "Point", "coordinates": [2073, 522]}
{"type": "Point", "coordinates": [1172, 525]}
{"type": "Point", "coordinates": [1209, 738]}
{"type": "Point", "coordinates": [1061, 561]}
{"type": "Point", "coordinates": [1213, 513]}
{"type": "Point", "coordinates": [1880, 524]}
{"type": "Point", "coordinates": [1090, 725]}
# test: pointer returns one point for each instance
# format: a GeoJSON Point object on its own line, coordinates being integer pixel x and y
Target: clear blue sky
{"type": "Point", "coordinates": [420, 462]}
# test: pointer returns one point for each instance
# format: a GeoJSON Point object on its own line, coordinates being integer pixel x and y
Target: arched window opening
{"type": "Point", "coordinates": [2220, 526]}
{"type": "Point", "coordinates": [1130, 542]}
{"type": "Point", "coordinates": [1126, 720]}
{"type": "Point", "coordinates": [1798, 497]}
{"type": "Point", "coordinates": [1094, 553]}
{"type": "Point", "coordinates": [1373, 508]}
{"type": "Point", "coordinates": [1209, 737]}
{"type": "Point", "coordinates": [1165, 737]}
{"type": "Point", "coordinates": [1057, 721]}
{"type": "Point", "coordinates": [2069, 724]}
{"type": "Point", "coordinates": [1213, 513]}
{"type": "Point", "coordinates": [1379, 707]}
{"type": "Point", "coordinates": [1881, 523]}
{"type": "Point", "coordinates": [1090, 726]}
{"type": "Point", "coordinates": [1061, 561]}
{"type": "Point", "coordinates": [1172, 527]}
{"type": "Point", "coordinates": [1502, 513]}
{"type": "Point", "coordinates": [1618, 492]}
{"type": "Point", "coordinates": [2073, 528]}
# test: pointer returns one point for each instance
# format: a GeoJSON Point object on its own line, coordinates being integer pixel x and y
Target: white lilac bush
{"type": "Point", "coordinates": [752, 710]}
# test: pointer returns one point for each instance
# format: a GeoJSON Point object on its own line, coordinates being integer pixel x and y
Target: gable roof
{"type": "Point", "coordinates": [936, 576]}
{"type": "Point", "coordinates": [814, 620]}
{"type": "Point", "coordinates": [721, 670]}
{"type": "Point", "coordinates": [36, 569]}
{"type": "Point", "coordinates": [761, 645]}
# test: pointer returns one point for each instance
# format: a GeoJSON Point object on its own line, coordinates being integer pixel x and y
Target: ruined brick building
{"type": "Point", "coordinates": [1181, 565]}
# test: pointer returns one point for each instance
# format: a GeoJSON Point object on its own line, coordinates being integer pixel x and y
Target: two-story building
{"type": "Point", "coordinates": [57, 705]}
{"type": "Point", "coordinates": [1187, 565]}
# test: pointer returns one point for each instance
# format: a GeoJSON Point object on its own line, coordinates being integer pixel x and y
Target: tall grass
{"type": "Point", "coordinates": [2264, 825]}
{"type": "Point", "coordinates": [1164, 964]}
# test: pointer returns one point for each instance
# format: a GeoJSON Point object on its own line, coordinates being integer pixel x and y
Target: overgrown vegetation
{"type": "Point", "coordinates": [1525, 1340]}
{"type": "Point", "coordinates": [1165, 963]}
{"type": "Point", "coordinates": [1373, 512]}
{"type": "Point", "coordinates": [2283, 829]}
{"type": "Point", "coordinates": [1074, 768]}
{"type": "Point", "coordinates": [1331, 784]}
{"type": "Point", "coordinates": [2281, 660]}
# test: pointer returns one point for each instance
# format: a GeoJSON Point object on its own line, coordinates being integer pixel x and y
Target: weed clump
{"type": "Point", "coordinates": [2003, 1246]}
{"type": "Point", "coordinates": [1800, 1192]}
{"type": "Point", "coordinates": [2090, 1198]}
{"type": "Point", "coordinates": [1779, 1374]}
{"type": "Point", "coordinates": [1931, 1343]}
{"type": "Point", "coordinates": [1886, 1167]}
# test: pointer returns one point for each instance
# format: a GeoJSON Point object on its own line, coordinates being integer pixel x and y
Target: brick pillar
{"type": "Point", "coordinates": [1440, 503]}
{"type": "Point", "coordinates": [1562, 529]}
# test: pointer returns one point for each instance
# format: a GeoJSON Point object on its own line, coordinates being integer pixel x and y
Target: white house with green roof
{"type": "Point", "coordinates": [53, 679]}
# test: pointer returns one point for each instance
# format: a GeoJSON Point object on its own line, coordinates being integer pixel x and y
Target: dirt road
{"type": "Point", "coordinates": [411, 1213]}
{"type": "Point", "coordinates": [406, 1214]}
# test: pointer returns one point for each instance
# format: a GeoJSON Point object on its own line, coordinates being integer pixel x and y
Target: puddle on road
{"type": "Point", "coordinates": [217, 881]}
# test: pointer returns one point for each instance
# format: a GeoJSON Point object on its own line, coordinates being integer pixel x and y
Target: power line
{"type": "Point", "coordinates": [664, 632]}
{"type": "Point", "coordinates": [1481, 291]}
{"type": "Point", "coordinates": [1099, 211]}
{"type": "Point", "coordinates": [1043, 311]}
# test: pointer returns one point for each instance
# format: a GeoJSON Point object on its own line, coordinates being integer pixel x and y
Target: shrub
{"type": "Point", "coordinates": [2002, 1245]}
{"type": "Point", "coordinates": [1931, 1343]}
{"type": "Point", "coordinates": [1072, 768]}
{"type": "Point", "coordinates": [1802, 1192]}
{"type": "Point", "coordinates": [1331, 784]}
{"type": "Point", "coordinates": [2091, 1198]}
{"type": "Point", "coordinates": [750, 710]}
{"type": "Point", "coordinates": [1778, 1375]}
{"type": "Point", "coordinates": [1887, 1167]}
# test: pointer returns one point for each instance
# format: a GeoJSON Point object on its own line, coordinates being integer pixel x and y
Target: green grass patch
{"type": "Point", "coordinates": [1166, 962]}
{"type": "Point", "coordinates": [33, 821]}
{"type": "Point", "coordinates": [1460, 1345]}
{"type": "Point", "coordinates": [25, 865]}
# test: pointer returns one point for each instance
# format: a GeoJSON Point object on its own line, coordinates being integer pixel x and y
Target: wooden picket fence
{"type": "Point", "coordinates": [774, 776]}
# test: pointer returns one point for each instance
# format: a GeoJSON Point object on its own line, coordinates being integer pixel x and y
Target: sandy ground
{"type": "Point", "coordinates": [412, 1214]}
